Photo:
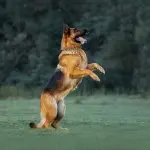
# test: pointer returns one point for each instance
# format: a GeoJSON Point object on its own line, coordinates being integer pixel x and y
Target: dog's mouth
{"type": "Point", "coordinates": [81, 38]}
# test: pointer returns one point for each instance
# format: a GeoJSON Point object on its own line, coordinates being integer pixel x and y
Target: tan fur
{"type": "Point", "coordinates": [74, 65]}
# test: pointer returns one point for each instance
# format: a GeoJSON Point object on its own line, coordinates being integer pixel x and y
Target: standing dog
{"type": "Point", "coordinates": [73, 66]}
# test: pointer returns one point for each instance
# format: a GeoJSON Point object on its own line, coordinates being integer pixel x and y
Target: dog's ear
{"type": "Point", "coordinates": [65, 28]}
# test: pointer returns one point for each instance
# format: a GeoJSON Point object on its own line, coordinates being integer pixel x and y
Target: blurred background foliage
{"type": "Point", "coordinates": [31, 30]}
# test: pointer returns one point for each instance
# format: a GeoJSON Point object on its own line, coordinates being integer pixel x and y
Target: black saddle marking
{"type": "Point", "coordinates": [51, 84]}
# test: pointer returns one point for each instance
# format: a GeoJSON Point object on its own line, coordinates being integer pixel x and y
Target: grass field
{"type": "Point", "coordinates": [99, 123]}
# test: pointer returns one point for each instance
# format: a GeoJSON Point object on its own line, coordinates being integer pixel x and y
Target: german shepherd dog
{"type": "Point", "coordinates": [72, 68]}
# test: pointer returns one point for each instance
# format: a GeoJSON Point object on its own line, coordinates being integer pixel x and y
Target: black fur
{"type": "Point", "coordinates": [32, 125]}
{"type": "Point", "coordinates": [54, 78]}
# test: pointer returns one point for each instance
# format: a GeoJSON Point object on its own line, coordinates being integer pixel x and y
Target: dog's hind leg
{"type": "Point", "coordinates": [51, 111]}
{"type": "Point", "coordinates": [48, 112]}
{"type": "Point", "coordinates": [61, 108]}
{"type": "Point", "coordinates": [42, 122]}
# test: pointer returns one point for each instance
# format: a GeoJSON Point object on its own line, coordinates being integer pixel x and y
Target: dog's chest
{"type": "Point", "coordinates": [80, 53]}
{"type": "Point", "coordinates": [83, 64]}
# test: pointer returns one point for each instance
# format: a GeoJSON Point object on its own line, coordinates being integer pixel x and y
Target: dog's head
{"type": "Point", "coordinates": [74, 35]}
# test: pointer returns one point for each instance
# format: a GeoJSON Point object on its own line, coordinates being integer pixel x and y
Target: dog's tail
{"type": "Point", "coordinates": [32, 125]}
{"type": "Point", "coordinates": [41, 124]}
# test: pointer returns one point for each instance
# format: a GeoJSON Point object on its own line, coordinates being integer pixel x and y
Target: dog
{"type": "Point", "coordinates": [72, 68]}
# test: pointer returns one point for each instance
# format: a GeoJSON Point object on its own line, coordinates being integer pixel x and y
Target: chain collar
{"type": "Point", "coordinates": [71, 51]}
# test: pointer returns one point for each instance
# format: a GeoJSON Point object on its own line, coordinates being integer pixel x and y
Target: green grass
{"type": "Point", "coordinates": [99, 123]}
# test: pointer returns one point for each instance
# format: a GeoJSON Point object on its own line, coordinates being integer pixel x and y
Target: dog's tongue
{"type": "Point", "coordinates": [82, 40]}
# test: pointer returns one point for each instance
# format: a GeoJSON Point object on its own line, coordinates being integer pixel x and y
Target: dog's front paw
{"type": "Point", "coordinates": [100, 68]}
{"type": "Point", "coordinates": [94, 77]}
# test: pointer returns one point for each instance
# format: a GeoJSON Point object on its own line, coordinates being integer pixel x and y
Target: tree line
{"type": "Point", "coordinates": [119, 33]}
